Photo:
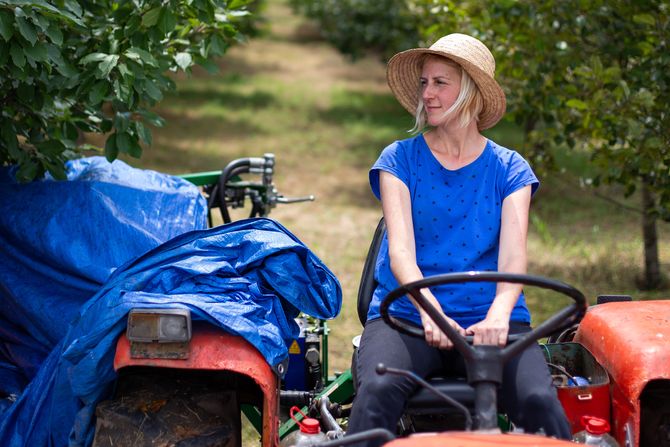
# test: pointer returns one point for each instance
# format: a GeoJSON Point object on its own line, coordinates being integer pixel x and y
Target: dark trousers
{"type": "Point", "coordinates": [527, 394]}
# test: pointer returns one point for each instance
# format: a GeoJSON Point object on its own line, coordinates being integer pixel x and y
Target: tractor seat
{"type": "Point", "coordinates": [423, 400]}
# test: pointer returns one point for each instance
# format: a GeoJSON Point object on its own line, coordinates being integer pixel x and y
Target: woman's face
{"type": "Point", "coordinates": [440, 86]}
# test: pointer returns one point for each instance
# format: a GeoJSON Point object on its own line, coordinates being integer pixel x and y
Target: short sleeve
{"type": "Point", "coordinates": [394, 160]}
{"type": "Point", "coordinates": [519, 174]}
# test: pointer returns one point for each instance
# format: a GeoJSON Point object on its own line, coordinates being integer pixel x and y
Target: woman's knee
{"type": "Point", "coordinates": [385, 387]}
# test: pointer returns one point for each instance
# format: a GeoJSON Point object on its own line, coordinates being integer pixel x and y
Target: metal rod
{"type": "Point", "coordinates": [485, 405]}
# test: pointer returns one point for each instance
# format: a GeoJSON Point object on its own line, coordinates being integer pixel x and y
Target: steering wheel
{"type": "Point", "coordinates": [565, 318]}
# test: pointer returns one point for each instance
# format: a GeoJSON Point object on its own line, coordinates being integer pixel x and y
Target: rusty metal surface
{"type": "Point", "coordinates": [155, 350]}
{"type": "Point", "coordinates": [631, 340]}
{"type": "Point", "coordinates": [213, 349]}
{"type": "Point", "coordinates": [159, 415]}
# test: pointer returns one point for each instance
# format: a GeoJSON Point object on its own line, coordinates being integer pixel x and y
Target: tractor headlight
{"type": "Point", "coordinates": [159, 325]}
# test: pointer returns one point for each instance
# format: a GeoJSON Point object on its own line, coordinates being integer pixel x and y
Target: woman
{"type": "Point", "coordinates": [452, 201]}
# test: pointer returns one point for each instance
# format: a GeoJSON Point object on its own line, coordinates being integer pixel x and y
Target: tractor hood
{"type": "Point", "coordinates": [630, 340]}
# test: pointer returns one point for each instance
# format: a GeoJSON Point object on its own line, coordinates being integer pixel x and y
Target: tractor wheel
{"type": "Point", "coordinates": [164, 411]}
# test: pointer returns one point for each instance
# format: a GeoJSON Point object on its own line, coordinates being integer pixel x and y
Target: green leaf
{"type": "Point", "coordinates": [107, 65]}
{"type": "Point", "coordinates": [218, 46]}
{"type": "Point", "coordinates": [37, 52]}
{"type": "Point", "coordinates": [141, 56]}
{"type": "Point", "coordinates": [51, 148]}
{"type": "Point", "coordinates": [125, 73]}
{"type": "Point", "coordinates": [57, 170]}
{"type": "Point", "coordinates": [93, 57]}
{"type": "Point", "coordinates": [127, 143]}
{"type": "Point", "coordinates": [576, 104]}
{"type": "Point", "coordinates": [27, 30]}
{"type": "Point", "coordinates": [26, 93]}
{"type": "Point", "coordinates": [152, 90]}
{"type": "Point", "coordinates": [235, 4]}
{"type": "Point", "coordinates": [167, 21]}
{"type": "Point", "coordinates": [134, 148]}
{"type": "Point", "coordinates": [123, 92]}
{"type": "Point", "coordinates": [70, 130]}
{"type": "Point", "coordinates": [132, 26]}
{"type": "Point", "coordinates": [4, 54]}
{"type": "Point", "coordinates": [6, 25]}
{"type": "Point", "coordinates": [98, 92]}
{"type": "Point", "coordinates": [54, 34]}
{"type": "Point", "coordinates": [644, 19]}
{"type": "Point", "coordinates": [210, 66]}
{"type": "Point", "coordinates": [121, 121]}
{"type": "Point", "coordinates": [183, 60]}
{"type": "Point", "coordinates": [111, 149]}
{"type": "Point", "coordinates": [73, 7]}
{"type": "Point", "coordinates": [9, 139]}
{"type": "Point", "coordinates": [150, 18]}
{"type": "Point", "coordinates": [143, 132]}
{"type": "Point", "coordinates": [27, 171]}
{"type": "Point", "coordinates": [152, 118]}
{"type": "Point", "coordinates": [16, 51]}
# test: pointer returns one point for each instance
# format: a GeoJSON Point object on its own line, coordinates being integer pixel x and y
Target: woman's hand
{"type": "Point", "coordinates": [490, 331]}
{"type": "Point", "coordinates": [434, 335]}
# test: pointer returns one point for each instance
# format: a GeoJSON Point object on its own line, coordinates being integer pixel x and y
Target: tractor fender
{"type": "Point", "coordinates": [212, 349]}
{"type": "Point", "coordinates": [478, 439]}
{"type": "Point", "coordinates": [631, 341]}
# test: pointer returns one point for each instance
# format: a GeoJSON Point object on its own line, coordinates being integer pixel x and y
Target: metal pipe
{"type": "Point", "coordinates": [328, 420]}
{"type": "Point", "coordinates": [485, 405]}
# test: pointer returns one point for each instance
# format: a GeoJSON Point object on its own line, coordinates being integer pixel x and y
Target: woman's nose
{"type": "Point", "coordinates": [427, 91]}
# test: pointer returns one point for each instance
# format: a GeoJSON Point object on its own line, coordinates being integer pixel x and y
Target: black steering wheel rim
{"type": "Point", "coordinates": [566, 317]}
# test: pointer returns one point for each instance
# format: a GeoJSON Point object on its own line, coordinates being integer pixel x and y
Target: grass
{"type": "Point", "coordinates": [326, 119]}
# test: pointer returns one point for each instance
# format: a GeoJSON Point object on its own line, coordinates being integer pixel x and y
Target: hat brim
{"type": "Point", "coordinates": [404, 71]}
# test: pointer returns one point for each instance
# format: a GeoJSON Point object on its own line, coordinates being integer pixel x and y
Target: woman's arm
{"type": "Point", "coordinates": [397, 207]}
{"type": "Point", "coordinates": [512, 258]}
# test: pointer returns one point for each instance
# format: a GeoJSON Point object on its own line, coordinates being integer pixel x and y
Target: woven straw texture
{"type": "Point", "coordinates": [404, 71]}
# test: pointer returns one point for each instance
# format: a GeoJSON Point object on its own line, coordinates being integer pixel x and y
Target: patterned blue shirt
{"type": "Point", "coordinates": [456, 216]}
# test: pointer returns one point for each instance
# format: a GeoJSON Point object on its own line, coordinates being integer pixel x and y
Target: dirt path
{"type": "Point", "coordinates": [339, 224]}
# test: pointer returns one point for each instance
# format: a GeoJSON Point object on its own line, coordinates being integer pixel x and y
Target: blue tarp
{"type": "Point", "coordinates": [250, 278]}
{"type": "Point", "coordinates": [60, 241]}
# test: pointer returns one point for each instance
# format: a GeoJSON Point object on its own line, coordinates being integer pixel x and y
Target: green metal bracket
{"type": "Point", "coordinates": [341, 390]}
{"type": "Point", "coordinates": [202, 178]}
{"type": "Point", "coordinates": [254, 416]}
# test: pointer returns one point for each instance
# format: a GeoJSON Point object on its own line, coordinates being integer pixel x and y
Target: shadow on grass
{"type": "Point", "coordinates": [182, 126]}
{"type": "Point", "coordinates": [371, 121]}
{"type": "Point", "coordinates": [224, 98]}
{"type": "Point", "coordinates": [375, 109]}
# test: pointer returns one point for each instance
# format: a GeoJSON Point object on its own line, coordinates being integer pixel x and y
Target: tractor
{"type": "Point", "coordinates": [183, 381]}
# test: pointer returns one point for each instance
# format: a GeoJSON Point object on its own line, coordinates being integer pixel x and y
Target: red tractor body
{"type": "Point", "coordinates": [478, 439]}
{"type": "Point", "coordinates": [211, 349]}
{"type": "Point", "coordinates": [630, 340]}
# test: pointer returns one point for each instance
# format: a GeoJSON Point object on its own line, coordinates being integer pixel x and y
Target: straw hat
{"type": "Point", "coordinates": [404, 70]}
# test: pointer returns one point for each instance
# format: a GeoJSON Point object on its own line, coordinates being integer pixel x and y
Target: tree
{"type": "Point", "coordinates": [595, 76]}
{"type": "Point", "coordinates": [588, 75]}
{"type": "Point", "coordinates": [69, 66]}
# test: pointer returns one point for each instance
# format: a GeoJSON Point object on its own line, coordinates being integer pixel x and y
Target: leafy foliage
{"type": "Point", "coordinates": [69, 66]}
{"type": "Point", "coordinates": [356, 26]}
{"type": "Point", "coordinates": [587, 75]}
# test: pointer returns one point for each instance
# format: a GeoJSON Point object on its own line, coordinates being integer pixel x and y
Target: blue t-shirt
{"type": "Point", "coordinates": [456, 217]}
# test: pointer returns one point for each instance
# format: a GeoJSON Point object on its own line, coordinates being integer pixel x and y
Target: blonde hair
{"type": "Point", "coordinates": [468, 104]}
